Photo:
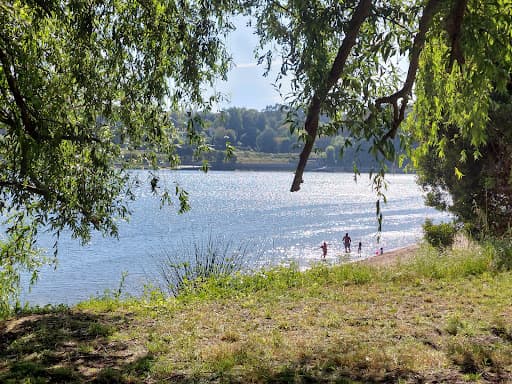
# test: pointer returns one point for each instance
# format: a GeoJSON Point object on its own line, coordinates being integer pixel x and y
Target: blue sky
{"type": "Point", "coordinates": [246, 86]}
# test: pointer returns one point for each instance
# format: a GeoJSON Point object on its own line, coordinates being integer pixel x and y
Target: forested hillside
{"type": "Point", "coordinates": [267, 131]}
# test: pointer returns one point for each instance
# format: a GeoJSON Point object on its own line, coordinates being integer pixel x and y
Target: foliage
{"type": "Point", "coordinates": [266, 141]}
{"type": "Point", "coordinates": [450, 265]}
{"type": "Point", "coordinates": [343, 59]}
{"type": "Point", "coordinates": [439, 235]}
{"type": "Point", "coordinates": [501, 250]}
{"type": "Point", "coordinates": [78, 80]}
{"type": "Point", "coordinates": [462, 118]}
{"type": "Point", "coordinates": [463, 63]}
{"type": "Point", "coordinates": [267, 131]}
{"type": "Point", "coordinates": [308, 37]}
{"type": "Point", "coordinates": [475, 187]}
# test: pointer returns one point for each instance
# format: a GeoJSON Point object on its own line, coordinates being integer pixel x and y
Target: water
{"type": "Point", "coordinates": [254, 208]}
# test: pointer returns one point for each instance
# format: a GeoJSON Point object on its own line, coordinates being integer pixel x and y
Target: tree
{"type": "Point", "coordinates": [221, 136]}
{"type": "Point", "coordinates": [234, 119]}
{"type": "Point", "coordinates": [343, 60]}
{"type": "Point", "coordinates": [266, 140]}
{"type": "Point", "coordinates": [251, 126]}
{"type": "Point", "coordinates": [330, 155]}
{"type": "Point", "coordinates": [74, 75]}
{"type": "Point", "coordinates": [480, 194]}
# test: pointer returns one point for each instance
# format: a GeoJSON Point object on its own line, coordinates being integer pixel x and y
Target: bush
{"type": "Point", "coordinates": [440, 235]}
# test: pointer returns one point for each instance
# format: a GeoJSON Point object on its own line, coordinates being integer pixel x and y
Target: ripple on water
{"type": "Point", "coordinates": [255, 208]}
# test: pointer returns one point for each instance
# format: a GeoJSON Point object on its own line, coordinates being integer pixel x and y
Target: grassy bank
{"type": "Point", "coordinates": [432, 319]}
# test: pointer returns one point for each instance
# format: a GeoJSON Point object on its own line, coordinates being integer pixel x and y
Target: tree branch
{"type": "Point", "coordinates": [419, 42]}
{"type": "Point", "coordinates": [26, 114]}
{"type": "Point", "coordinates": [40, 189]}
{"type": "Point", "coordinates": [311, 125]}
{"type": "Point", "coordinates": [282, 7]}
{"type": "Point", "coordinates": [18, 98]}
{"type": "Point", "coordinates": [75, 138]}
{"type": "Point", "coordinates": [79, 139]}
{"type": "Point", "coordinates": [398, 24]}
{"type": "Point", "coordinates": [453, 27]}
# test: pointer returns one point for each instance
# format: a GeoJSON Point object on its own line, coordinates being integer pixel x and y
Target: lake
{"type": "Point", "coordinates": [255, 209]}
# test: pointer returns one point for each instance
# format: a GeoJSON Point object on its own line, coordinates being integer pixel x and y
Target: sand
{"type": "Point", "coordinates": [393, 256]}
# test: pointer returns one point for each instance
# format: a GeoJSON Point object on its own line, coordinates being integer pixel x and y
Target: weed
{"type": "Point", "coordinates": [109, 376]}
{"type": "Point", "coordinates": [454, 325]}
{"type": "Point", "coordinates": [471, 357]}
{"type": "Point", "coordinates": [100, 330]}
{"type": "Point", "coordinates": [230, 337]}
{"type": "Point", "coordinates": [449, 265]}
{"type": "Point", "coordinates": [501, 251]}
{"type": "Point", "coordinates": [501, 329]}
{"type": "Point", "coordinates": [472, 377]}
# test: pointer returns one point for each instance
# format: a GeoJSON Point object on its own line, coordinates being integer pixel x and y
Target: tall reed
{"type": "Point", "coordinates": [188, 267]}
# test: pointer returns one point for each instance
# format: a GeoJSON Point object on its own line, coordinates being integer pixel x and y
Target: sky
{"type": "Point", "coordinates": [246, 86]}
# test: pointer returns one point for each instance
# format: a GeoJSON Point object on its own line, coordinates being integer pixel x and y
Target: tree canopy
{"type": "Point", "coordinates": [344, 61]}
{"type": "Point", "coordinates": [481, 196]}
{"type": "Point", "coordinates": [343, 57]}
{"type": "Point", "coordinates": [74, 75]}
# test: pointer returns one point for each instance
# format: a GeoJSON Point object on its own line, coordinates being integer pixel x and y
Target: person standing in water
{"type": "Point", "coordinates": [324, 249]}
{"type": "Point", "coordinates": [346, 242]}
{"type": "Point", "coordinates": [359, 248]}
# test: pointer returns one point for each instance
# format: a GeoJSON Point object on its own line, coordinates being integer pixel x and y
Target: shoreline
{"type": "Point", "coordinates": [393, 256]}
{"type": "Point", "coordinates": [264, 167]}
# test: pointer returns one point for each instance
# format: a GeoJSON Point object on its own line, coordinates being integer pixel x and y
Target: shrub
{"type": "Point", "coordinates": [439, 235]}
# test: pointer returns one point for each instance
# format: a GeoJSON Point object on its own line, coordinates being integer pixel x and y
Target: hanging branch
{"type": "Point", "coordinates": [18, 97]}
{"type": "Point", "coordinates": [37, 188]}
{"type": "Point", "coordinates": [311, 125]}
{"type": "Point", "coordinates": [419, 42]}
{"type": "Point", "coordinates": [27, 115]}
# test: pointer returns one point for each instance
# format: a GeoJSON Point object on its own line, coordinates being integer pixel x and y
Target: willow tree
{"type": "Point", "coordinates": [344, 61]}
{"type": "Point", "coordinates": [460, 116]}
{"type": "Point", "coordinates": [77, 80]}
{"type": "Point", "coordinates": [482, 198]}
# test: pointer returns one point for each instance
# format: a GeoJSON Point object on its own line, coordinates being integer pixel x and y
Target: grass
{"type": "Point", "coordinates": [437, 318]}
{"type": "Point", "coordinates": [253, 157]}
{"type": "Point", "coordinates": [135, 158]}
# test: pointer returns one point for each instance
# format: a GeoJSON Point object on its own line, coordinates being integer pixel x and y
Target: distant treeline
{"type": "Point", "coordinates": [267, 131]}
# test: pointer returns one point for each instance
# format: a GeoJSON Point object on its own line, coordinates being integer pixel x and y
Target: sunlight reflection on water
{"type": "Point", "coordinates": [254, 208]}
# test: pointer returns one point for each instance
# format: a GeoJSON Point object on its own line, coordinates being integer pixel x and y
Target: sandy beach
{"type": "Point", "coordinates": [393, 256]}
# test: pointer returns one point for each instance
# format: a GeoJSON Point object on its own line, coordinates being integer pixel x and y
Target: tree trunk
{"type": "Point", "coordinates": [311, 125]}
